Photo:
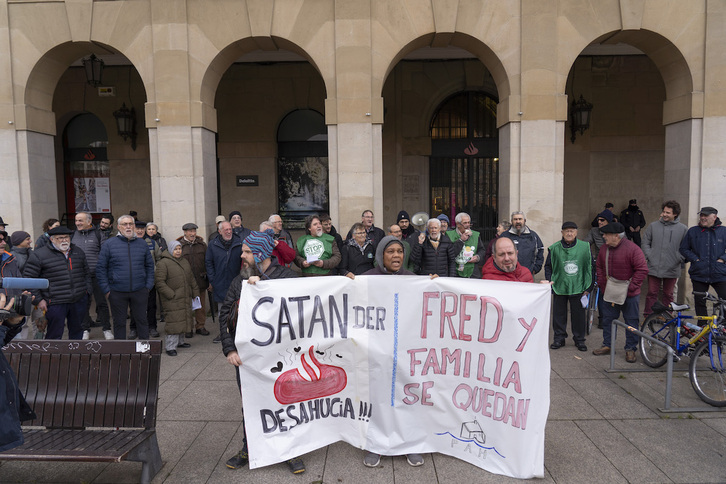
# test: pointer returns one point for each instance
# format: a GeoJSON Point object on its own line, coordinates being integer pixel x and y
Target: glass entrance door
{"type": "Point", "coordinates": [464, 163]}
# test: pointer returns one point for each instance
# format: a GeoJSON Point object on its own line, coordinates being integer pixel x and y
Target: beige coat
{"type": "Point", "coordinates": [176, 287]}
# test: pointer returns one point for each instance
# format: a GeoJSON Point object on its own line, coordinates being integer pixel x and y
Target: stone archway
{"type": "Point", "coordinates": [420, 81]}
{"type": "Point", "coordinates": [254, 89]}
{"type": "Point", "coordinates": [42, 109]}
{"type": "Point", "coordinates": [643, 127]}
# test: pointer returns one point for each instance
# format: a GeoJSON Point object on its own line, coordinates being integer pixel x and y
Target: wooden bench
{"type": "Point", "coordinates": [96, 401]}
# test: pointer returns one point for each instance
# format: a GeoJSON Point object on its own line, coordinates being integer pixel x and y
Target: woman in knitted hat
{"type": "Point", "coordinates": [445, 222]}
{"type": "Point", "coordinates": [21, 247]}
{"type": "Point", "coordinates": [176, 286]}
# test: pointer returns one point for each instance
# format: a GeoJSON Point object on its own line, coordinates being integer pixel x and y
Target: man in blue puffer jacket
{"type": "Point", "coordinates": [704, 246]}
{"type": "Point", "coordinates": [125, 272]}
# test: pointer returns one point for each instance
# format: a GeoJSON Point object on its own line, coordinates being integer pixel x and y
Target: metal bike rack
{"type": "Point", "coordinates": [669, 369]}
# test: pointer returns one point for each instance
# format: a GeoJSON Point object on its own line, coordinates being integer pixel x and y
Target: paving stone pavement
{"type": "Point", "coordinates": [602, 427]}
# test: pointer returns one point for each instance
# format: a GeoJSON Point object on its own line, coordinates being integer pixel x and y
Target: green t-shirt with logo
{"type": "Point", "coordinates": [322, 247]}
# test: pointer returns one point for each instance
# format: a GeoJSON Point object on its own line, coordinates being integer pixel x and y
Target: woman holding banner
{"type": "Point", "coordinates": [389, 256]}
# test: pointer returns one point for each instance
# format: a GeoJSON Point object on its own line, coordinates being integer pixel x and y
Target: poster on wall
{"type": "Point", "coordinates": [303, 188]}
{"type": "Point", "coordinates": [92, 195]}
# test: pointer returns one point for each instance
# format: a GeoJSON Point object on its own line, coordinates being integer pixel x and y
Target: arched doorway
{"type": "Point", "coordinates": [463, 167]}
{"type": "Point", "coordinates": [266, 101]}
{"type": "Point", "coordinates": [623, 153]}
{"type": "Point", "coordinates": [302, 167]}
{"type": "Point", "coordinates": [86, 167]}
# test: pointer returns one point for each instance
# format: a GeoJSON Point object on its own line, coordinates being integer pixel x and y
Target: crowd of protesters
{"type": "Point", "coordinates": [124, 269]}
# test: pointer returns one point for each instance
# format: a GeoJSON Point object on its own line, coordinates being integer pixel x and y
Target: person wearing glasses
{"type": "Point", "coordinates": [69, 283]}
{"type": "Point", "coordinates": [125, 272]}
{"type": "Point", "coordinates": [358, 254]}
{"type": "Point", "coordinates": [594, 237]}
{"type": "Point", "coordinates": [373, 233]}
{"type": "Point", "coordinates": [280, 233]}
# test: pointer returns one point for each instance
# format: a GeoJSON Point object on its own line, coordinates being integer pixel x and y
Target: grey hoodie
{"type": "Point", "coordinates": [660, 246]}
{"type": "Point", "coordinates": [382, 245]}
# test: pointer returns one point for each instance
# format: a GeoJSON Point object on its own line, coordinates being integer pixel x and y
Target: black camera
{"type": "Point", "coordinates": [22, 306]}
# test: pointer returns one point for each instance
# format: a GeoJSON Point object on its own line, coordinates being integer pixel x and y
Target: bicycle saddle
{"type": "Point", "coordinates": [679, 307]}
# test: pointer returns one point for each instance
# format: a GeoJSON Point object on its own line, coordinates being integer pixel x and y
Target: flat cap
{"type": "Point", "coordinates": [60, 230]}
{"type": "Point", "coordinates": [613, 228]}
{"type": "Point", "coordinates": [708, 211]}
{"type": "Point", "coordinates": [189, 226]}
{"type": "Point", "coordinates": [569, 225]}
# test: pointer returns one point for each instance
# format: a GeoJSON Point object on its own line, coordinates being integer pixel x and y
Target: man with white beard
{"type": "Point", "coordinates": [69, 283]}
{"type": "Point", "coordinates": [257, 264]}
{"type": "Point", "coordinates": [530, 250]}
{"type": "Point", "coordinates": [125, 272]}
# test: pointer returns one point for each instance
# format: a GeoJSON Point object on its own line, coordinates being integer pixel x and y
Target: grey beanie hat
{"type": "Point", "coordinates": [383, 244]}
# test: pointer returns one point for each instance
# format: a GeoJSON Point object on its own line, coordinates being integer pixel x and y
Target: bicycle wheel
{"type": "Point", "coordinates": [708, 371]}
{"type": "Point", "coordinates": [657, 325]}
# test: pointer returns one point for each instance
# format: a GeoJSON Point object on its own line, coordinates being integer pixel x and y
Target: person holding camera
{"type": "Point", "coordinates": [13, 407]}
{"type": "Point", "coordinates": [8, 264]}
{"type": "Point", "coordinates": [69, 283]}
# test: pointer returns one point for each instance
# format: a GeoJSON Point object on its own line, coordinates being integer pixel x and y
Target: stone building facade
{"type": "Point", "coordinates": [213, 81]}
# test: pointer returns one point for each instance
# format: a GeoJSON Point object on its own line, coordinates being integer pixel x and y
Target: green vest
{"type": "Point", "coordinates": [571, 268]}
{"type": "Point", "coordinates": [321, 246]}
{"type": "Point", "coordinates": [464, 268]}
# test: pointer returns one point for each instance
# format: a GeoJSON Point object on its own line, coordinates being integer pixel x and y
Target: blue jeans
{"type": "Point", "coordinates": [630, 314]}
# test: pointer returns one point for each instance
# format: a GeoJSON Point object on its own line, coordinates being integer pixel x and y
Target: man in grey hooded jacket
{"type": "Point", "coordinates": [660, 246]}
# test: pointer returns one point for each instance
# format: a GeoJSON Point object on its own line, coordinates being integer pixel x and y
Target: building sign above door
{"type": "Point", "coordinates": [248, 180]}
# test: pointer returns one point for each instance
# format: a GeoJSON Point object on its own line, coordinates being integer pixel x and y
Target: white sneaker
{"type": "Point", "coordinates": [415, 460]}
{"type": "Point", "coordinates": [86, 334]}
{"type": "Point", "coordinates": [372, 459]}
{"type": "Point", "coordinates": [108, 334]}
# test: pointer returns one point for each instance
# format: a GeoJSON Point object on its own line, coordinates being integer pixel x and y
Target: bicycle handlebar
{"type": "Point", "coordinates": [709, 297]}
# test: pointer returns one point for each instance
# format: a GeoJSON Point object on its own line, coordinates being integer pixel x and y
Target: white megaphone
{"type": "Point", "coordinates": [419, 219]}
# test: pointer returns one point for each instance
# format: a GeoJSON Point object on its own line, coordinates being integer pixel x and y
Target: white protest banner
{"type": "Point", "coordinates": [397, 365]}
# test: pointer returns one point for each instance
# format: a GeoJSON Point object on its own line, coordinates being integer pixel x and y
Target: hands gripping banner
{"type": "Point", "coordinates": [397, 365]}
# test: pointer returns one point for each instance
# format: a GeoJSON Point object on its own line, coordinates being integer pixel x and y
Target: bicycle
{"type": "Point", "coordinates": [706, 345]}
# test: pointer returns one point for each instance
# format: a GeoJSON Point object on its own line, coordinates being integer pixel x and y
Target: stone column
{"type": "Point", "coordinates": [356, 181]}
{"type": "Point", "coordinates": [682, 170]}
{"type": "Point", "coordinates": [183, 178]}
{"type": "Point", "coordinates": [354, 117]}
{"type": "Point", "coordinates": [713, 168]}
{"type": "Point", "coordinates": [182, 150]}
{"type": "Point", "coordinates": [29, 190]}
{"type": "Point", "coordinates": [531, 174]}
{"type": "Point", "coordinates": [713, 141]}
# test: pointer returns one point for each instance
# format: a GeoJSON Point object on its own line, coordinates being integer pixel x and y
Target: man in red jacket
{"type": "Point", "coordinates": [503, 265]}
{"type": "Point", "coordinates": [625, 262]}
